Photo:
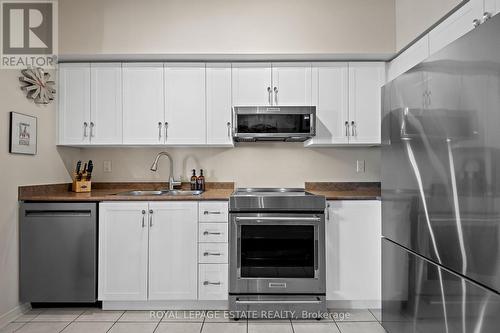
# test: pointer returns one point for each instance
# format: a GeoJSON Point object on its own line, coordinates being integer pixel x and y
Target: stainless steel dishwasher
{"type": "Point", "coordinates": [58, 252]}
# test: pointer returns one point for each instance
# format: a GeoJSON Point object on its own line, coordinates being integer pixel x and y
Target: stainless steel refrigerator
{"type": "Point", "coordinates": [441, 190]}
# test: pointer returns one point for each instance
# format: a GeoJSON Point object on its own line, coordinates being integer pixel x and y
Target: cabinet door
{"type": "Point", "coordinates": [492, 7]}
{"type": "Point", "coordinates": [251, 84]}
{"type": "Point", "coordinates": [291, 83]}
{"type": "Point", "coordinates": [106, 103]}
{"type": "Point", "coordinates": [353, 258]}
{"type": "Point", "coordinates": [74, 104]}
{"type": "Point", "coordinates": [173, 250]}
{"type": "Point", "coordinates": [219, 104]}
{"type": "Point", "coordinates": [143, 109]}
{"type": "Point", "coordinates": [185, 104]}
{"type": "Point", "coordinates": [330, 95]}
{"type": "Point", "coordinates": [365, 102]}
{"type": "Point", "coordinates": [123, 251]}
{"type": "Point", "coordinates": [455, 26]}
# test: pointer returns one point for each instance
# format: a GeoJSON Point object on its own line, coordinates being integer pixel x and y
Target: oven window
{"type": "Point", "coordinates": [274, 123]}
{"type": "Point", "coordinates": [272, 251]}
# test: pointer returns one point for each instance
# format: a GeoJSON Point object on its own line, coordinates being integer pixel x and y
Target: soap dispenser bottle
{"type": "Point", "coordinates": [194, 181]}
{"type": "Point", "coordinates": [201, 181]}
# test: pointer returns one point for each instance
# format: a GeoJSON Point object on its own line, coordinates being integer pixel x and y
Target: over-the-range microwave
{"type": "Point", "coordinates": [274, 123]}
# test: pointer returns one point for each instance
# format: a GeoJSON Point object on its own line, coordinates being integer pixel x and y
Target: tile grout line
{"type": "Point", "coordinates": [78, 316]}
{"type": "Point", "coordinates": [109, 329]}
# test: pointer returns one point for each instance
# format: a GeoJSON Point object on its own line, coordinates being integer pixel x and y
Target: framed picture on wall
{"type": "Point", "coordinates": [23, 134]}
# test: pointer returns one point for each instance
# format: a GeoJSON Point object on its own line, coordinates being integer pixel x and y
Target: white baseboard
{"type": "Point", "coordinates": [9, 316]}
{"type": "Point", "coordinates": [165, 305]}
{"type": "Point", "coordinates": [343, 304]}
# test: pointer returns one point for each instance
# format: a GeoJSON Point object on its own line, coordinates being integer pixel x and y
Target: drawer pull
{"type": "Point", "coordinates": [211, 213]}
{"type": "Point", "coordinates": [207, 283]}
{"type": "Point", "coordinates": [211, 233]}
{"type": "Point", "coordinates": [206, 254]}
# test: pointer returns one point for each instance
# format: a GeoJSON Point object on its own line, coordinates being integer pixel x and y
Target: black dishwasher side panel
{"type": "Point", "coordinates": [58, 252]}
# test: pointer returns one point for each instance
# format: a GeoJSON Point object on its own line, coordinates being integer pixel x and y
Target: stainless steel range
{"type": "Point", "coordinates": [277, 253]}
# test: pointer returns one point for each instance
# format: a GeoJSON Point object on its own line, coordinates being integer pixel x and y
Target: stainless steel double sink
{"type": "Point", "coordinates": [160, 193]}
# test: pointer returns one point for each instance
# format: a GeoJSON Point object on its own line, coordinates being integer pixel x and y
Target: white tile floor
{"type": "Point", "coordinates": [98, 321]}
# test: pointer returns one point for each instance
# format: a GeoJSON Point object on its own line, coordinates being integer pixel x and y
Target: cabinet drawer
{"type": "Point", "coordinates": [212, 281]}
{"type": "Point", "coordinates": [213, 211]}
{"type": "Point", "coordinates": [212, 253]}
{"type": "Point", "coordinates": [212, 233]}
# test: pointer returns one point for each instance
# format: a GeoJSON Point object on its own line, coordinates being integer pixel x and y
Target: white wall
{"type": "Point", "coordinates": [414, 17]}
{"type": "Point", "coordinates": [45, 167]}
{"type": "Point", "coordinates": [261, 164]}
{"type": "Point", "coordinates": [226, 26]}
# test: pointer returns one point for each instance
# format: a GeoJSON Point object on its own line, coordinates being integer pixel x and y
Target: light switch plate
{"type": "Point", "coordinates": [360, 166]}
{"type": "Point", "coordinates": [107, 166]}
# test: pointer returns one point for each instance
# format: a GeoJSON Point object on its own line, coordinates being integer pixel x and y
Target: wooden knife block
{"type": "Point", "coordinates": [81, 186]}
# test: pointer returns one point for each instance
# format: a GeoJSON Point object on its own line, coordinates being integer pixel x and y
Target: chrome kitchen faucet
{"type": "Point", "coordinates": [171, 181]}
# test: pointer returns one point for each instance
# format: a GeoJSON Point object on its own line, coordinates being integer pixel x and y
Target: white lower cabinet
{"type": "Point", "coordinates": [353, 251]}
{"type": "Point", "coordinates": [147, 247]}
{"type": "Point", "coordinates": [172, 250]}
{"type": "Point", "coordinates": [213, 282]}
{"type": "Point", "coordinates": [123, 251]}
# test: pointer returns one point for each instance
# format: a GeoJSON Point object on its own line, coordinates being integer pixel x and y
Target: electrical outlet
{"type": "Point", "coordinates": [360, 166]}
{"type": "Point", "coordinates": [107, 166]}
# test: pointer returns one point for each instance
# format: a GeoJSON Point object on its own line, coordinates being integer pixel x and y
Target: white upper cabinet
{"type": "Point", "coordinates": [491, 7]}
{"type": "Point", "coordinates": [365, 82]}
{"type": "Point", "coordinates": [353, 253]}
{"type": "Point", "coordinates": [173, 250]}
{"type": "Point", "coordinates": [348, 101]}
{"type": "Point", "coordinates": [123, 251]}
{"type": "Point", "coordinates": [106, 103]}
{"type": "Point", "coordinates": [74, 104]}
{"type": "Point", "coordinates": [291, 83]}
{"type": "Point", "coordinates": [252, 84]}
{"type": "Point", "coordinates": [457, 25]}
{"type": "Point", "coordinates": [218, 124]}
{"type": "Point", "coordinates": [143, 104]}
{"type": "Point", "coordinates": [185, 103]}
{"type": "Point", "coordinates": [330, 87]}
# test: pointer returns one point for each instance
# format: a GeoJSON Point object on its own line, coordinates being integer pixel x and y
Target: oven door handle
{"type": "Point", "coordinates": [279, 218]}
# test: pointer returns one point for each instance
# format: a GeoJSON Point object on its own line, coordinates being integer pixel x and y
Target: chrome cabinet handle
{"type": "Point", "coordinates": [476, 23]}
{"type": "Point", "coordinates": [228, 124]}
{"type": "Point", "coordinates": [211, 233]}
{"type": "Point", "coordinates": [85, 125]}
{"type": "Point", "coordinates": [353, 128]}
{"type": "Point", "coordinates": [206, 283]}
{"type": "Point", "coordinates": [211, 213]}
{"type": "Point", "coordinates": [346, 128]}
{"type": "Point", "coordinates": [159, 130]}
{"type": "Point", "coordinates": [143, 217]}
{"type": "Point", "coordinates": [486, 16]}
{"type": "Point", "coordinates": [166, 130]}
{"type": "Point", "coordinates": [269, 94]}
{"type": "Point", "coordinates": [206, 254]}
{"type": "Point", "coordinates": [276, 95]}
{"type": "Point", "coordinates": [150, 217]}
{"type": "Point", "coordinates": [92, 129]}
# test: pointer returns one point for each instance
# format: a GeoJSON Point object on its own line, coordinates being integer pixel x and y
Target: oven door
{"type": "Point", "coordinates": [277, 253]}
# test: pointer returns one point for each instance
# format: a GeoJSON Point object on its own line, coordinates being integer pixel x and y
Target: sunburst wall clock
{"type": "Point", "coordinates": [37, 85]}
